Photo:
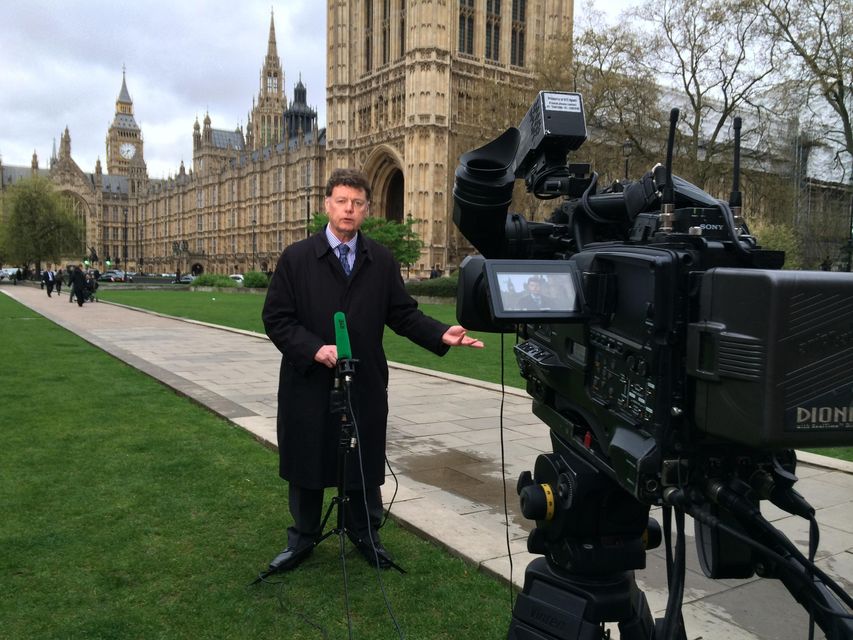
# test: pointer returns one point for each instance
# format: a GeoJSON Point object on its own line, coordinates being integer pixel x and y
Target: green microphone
{"type": "Point", "coordinates": [342, 337]}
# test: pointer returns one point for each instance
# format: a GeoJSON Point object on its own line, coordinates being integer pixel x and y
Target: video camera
{"type": "Point", "coordinates": [674, 361]}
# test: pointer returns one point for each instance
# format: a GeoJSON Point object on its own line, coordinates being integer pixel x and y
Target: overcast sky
{"type": "Point", "coordinates": [62, 65]}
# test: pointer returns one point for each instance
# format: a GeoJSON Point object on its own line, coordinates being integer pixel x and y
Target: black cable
{"type": "Point", "coordinates": [675, 572]}
{"type": "Point", "coordinates": [666, 517]}
{"type": "Point", "coordinates": [780, 561]}
{"type": "Point", "coordinates": [263, 578]}
{"type": "Point", "coordinates": [680, 570]}
{"type": "Point", "coordinates": [801, 577]}
{"type": "Point", "coordinates": [503, 476]}
{"type": "Point", "coordinates": [749, 513]}
{"type": "Point", "coordinates": [814, 541]}
{"type": "Point", "coordinates": [585, 200]}
{"type": "Point", "coordinates": [729, 219]}
{"type": "Point", "coordinates": [559, 170]}
{"type": "Point", "coordinates": [343, 556]}
{"type": "Point", "coordinates": [393, 496]}
{"type": "Point", "coordinates": [388, 606]}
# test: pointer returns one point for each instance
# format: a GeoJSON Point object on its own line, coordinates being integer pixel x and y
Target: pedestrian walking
{"type": "Point", "coordinates": [48, 278]}
{"type": "Point", "coordinates": [78, 285]}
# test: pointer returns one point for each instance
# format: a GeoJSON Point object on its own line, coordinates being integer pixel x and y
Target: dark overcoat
{"type": "Point", "coordinates": [77, 281]}
{"type": "Point", "coordinates": [306, 289]}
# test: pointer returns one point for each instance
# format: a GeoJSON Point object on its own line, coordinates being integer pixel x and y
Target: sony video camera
{"type": "Point", "coordinates": [664, 348]}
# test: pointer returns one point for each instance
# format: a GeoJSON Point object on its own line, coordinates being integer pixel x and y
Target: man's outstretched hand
{"type": "Point", "coordinates": [456, 336]}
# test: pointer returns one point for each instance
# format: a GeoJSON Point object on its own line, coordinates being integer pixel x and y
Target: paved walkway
{"type": "Point", "coordinates": [445, 446]}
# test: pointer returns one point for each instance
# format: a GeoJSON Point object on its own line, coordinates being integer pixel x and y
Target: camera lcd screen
{"type": "Point", "coordinates": [534, 290]}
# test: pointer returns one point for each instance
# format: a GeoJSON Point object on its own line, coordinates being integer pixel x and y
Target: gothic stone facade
{"type": "Point", "coordinates": [402, 78]}
{"type": "Point", "coordinates": [402, 97]}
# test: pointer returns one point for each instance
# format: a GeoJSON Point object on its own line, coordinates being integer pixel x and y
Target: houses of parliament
{"type": "Point", "coordinates": [402, 98]}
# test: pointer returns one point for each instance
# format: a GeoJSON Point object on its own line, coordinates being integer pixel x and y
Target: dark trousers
{"type": "Point", "coordinates": [49, 287]}
{"type": "Point", "coordinates": [306, 508]}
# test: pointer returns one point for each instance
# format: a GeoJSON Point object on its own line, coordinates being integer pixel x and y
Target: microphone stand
{"type": "Point", "coordinates": [339, 403]}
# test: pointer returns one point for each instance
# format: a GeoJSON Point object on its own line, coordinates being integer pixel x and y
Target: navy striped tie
{"type": "Point", "coordinates": [343, 249]}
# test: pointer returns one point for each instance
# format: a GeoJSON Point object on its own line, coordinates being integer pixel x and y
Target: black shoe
{"type": "Point", "coordinates": [290, 558]}
{"type": "Point", "coordinates": [375, 554]}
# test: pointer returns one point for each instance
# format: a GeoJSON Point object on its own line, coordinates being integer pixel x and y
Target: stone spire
{"type": "Point", "coordinates": [124, 94]}
{"type": "Point", "coordinates": [65, 144]}
{"type": "Point", "coordinates": [265, 122]}
{"type": "Point", "coordinates": [272, 50]}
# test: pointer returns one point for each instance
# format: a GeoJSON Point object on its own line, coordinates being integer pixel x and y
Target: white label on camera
{"type": "Point", "coordinates": [563, 102]}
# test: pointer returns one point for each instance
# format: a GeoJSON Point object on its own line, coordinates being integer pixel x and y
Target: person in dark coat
{"type": "Point", "coordinates": [339, 269]}
{"type": "Point", "coordinates": [48, 278]}
{"type": "Point", "coordinates": [533, 298]}
{"type": "Point", "coordinates": [78, 286]}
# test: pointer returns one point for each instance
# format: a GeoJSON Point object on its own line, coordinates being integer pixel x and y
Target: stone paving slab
{"type": "Point", "coordinates": [445, 445]}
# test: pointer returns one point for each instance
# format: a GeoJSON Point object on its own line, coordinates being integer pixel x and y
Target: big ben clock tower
{"type": "Point", "coordinates": [124, 139]}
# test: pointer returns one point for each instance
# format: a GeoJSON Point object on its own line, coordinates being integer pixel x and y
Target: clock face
{"type": "Point", "coordinates": [127, 150]}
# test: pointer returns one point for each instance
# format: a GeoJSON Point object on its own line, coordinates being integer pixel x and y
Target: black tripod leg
{"type": "Point", "coordinates": [325, 520]}
{"type": "Point", "coordinates": [641, 625]}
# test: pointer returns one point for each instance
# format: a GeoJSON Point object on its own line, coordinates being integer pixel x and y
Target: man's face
{"type": "Point", "coordinates": [347, 209]}
{"type": "Point", "coordinates": [533, 287]}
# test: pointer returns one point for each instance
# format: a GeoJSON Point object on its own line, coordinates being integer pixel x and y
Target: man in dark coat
{"type": "Point", "coordinates": [533, 298]}
{"type": "Point", "coordinates": [339, 269]}
{"type": "Point", "coordinates": [48, 278]}
{"type": "Point", "coordinates": [77, 281]}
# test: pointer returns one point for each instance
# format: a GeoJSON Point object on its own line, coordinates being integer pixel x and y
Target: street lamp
{"type": "Point", "coordinates": [627, 148]}
{"type": "Point", "coordinates": [126, 267]}
{"type": "Point", "coordinates": [254, 243]}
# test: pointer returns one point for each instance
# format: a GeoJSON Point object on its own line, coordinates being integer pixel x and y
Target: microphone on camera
{"type": "Point", "coordinates": [342, 336]}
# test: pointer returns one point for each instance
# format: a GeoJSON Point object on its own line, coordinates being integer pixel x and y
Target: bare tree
{"type": "Point", "coordinates": [704, 51]}
{"type": "Point", "coordinates": [621, 95]}
{"type": "Point", "coordinates": [818, 36]}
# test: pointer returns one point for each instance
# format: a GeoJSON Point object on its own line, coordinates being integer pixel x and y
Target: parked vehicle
{"type": "Point", "coordinates": [237, 277]}
{"type": "Point", "coordinates": [115, 275]}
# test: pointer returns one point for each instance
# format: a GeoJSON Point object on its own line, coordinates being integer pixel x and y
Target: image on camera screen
{"type": "Point", "coordinates": [530, 291]}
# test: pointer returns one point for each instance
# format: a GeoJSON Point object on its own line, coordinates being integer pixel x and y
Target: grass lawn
{"type": "Point", "coordinates": [243, 311]}
{"type": "Point", "coordinates": [129, 512]}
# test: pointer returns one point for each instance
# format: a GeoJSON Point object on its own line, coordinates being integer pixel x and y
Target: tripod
{"type": "Point", "coordinates": [593, 536]}
{"type": "Point", "coordinates": [341, 405]}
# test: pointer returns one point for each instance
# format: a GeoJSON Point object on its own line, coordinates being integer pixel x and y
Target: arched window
{"type": "Point", "coordinates": [493, 30]}
{"type": "Point", "coordinates": [466, 26]}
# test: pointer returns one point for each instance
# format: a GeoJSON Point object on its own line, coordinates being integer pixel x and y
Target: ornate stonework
{"type": "Point", "coordinates": [403, 94]}
{"type": "Point", "coordinates": [403, 97]}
